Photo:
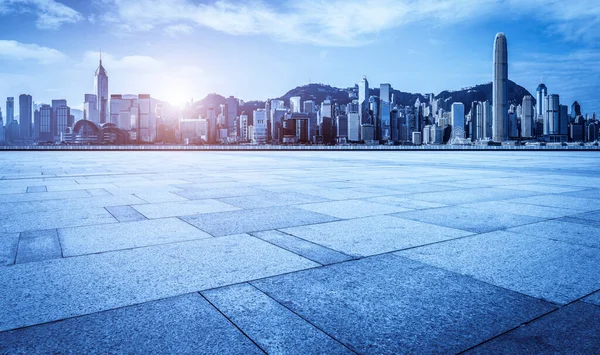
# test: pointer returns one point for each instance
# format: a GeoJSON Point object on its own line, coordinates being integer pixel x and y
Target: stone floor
{"type": "Point", "coordinates": [299, 252]}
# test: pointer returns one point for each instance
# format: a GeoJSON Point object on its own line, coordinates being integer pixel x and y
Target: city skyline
{"type": "Point", "coordinates": [230, 59]}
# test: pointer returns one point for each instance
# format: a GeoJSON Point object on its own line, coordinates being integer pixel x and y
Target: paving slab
{"type": "Point", "coordinates": [56, 219]}
{"type": "Point", "coordinates": [125, 213]}
{"type": "Point", "coordinates": [592, 193]}
{"type": "Point", "coordinates": [159, 196]}
{"type": "Point", "coordinates": [510, 207]}
{"type": "Point", "coordinates": [547, 269]}
{"type": "Point", "coordinates": [52, 290]}
{"type": "Point", "coordinates": [405, 202]}
{"type": "Point", "coordinates": [573, 329]}
{"type": "Point", "coordinates": [352, 208]}
{"type": "Point", "coordinates": [576, 233]}
{"type": "Point", "coordinates": [389, 304]}
{"type": "Point", "coordinates": [8, 248]}
{"type": "Point", "coordinates": [98, 239]}
{"type": "Point", "coordinates": [37, 196]}
{"type": "Point", "coordinates": [374, 235]}
{"type": "Point", "coordinates": [594, 298]}
{"type": "Point", "coordinates": [309, 250]}
{"type": "Point", "coordinates": [273, 327]}
{"type": "Point", "coordinates": [270, 199]}
{"type": "Point", "coordinates": [184, 325]}
{"type": "Point", "coordinates": [98, 192]}
{"type": "Point", "coordinates": [561, 201]}
{"type": "Point", "coordinates": [206, 193]}
{"type": "Point", "coordinates": [183, 208]}
{"type": "Point", "coordinates": [19, 208]}
{"type": "Point", "coordinates": [474, 220]}
{"type": "Point", "coordinates": [36, 189]}
{"type": "Point", "coordinates": [38, 246]}
{"type": "Point", "coordinates": [543, 188]}
{"type": "Point", "coordinates": [255, 220]}
{"type": "Point", "coordinates": [462, 196]}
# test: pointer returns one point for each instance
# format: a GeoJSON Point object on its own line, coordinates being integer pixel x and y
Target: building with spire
{"type": "Point", "coordinates": [101, 92]}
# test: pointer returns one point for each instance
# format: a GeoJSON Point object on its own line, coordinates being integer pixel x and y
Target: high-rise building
{"type": "Point", "coordinates": [25, 116]}
{"type": "Point", "coordinates": [541, 93]}
{"type": "Point", "coordinates": [101, 91]}
{"type": "Point", "coordinates": [56, 131]}
{"type": "Point", "coordinates": [295, 104]}
{"type": "Point", "coordinates": [384, 112]}
{"type": "Point", "coordinates": [90, 109]}
{"type": "Point", "coordinates": [487, 120]}
{"type": "Point", "coordinates": [552, 117]}
{"type": "Point", "coordinates": [10, 110]}
{"type": "Point", "coordinates": [457, 120]}
{"type": "Point", "coordinates": [527, 117]}
{"type": "Point", "coordinates": [45, 129]}
{"type": "Point", "coordinates": [62, 114]}
{"type": "Point", "coordinates": [576, 109]}
{"type": "Point", "coordinates": [563, 112]}
{"type": "Point", "coordinates": [309, 106]}
{"type": "Point", "coordinates": [500, 89]}
{"type": "Point", "coordinates": [353, 121]}
{"type": "Point", "coordinates": [244, 127]}
{"type": "Point", "coordinates": [232, 108]}
{"type": "Point", "coordinates": [363, 101]}
{"type": "Point", "coordinates": [2, 129]}
{"type": "Point", "coordinates": [260, 126]}
{"type": "Point", "coordinates": [147, 119]}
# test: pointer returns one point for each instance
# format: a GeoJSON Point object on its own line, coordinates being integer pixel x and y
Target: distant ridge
{"type": "Point", "coordinates": [320, 92]}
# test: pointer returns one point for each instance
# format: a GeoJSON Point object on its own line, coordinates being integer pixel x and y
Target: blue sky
{"type": "Point", "coordinates": [179, 49]}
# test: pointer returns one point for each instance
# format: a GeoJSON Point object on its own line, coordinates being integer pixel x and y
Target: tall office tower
{"type": "Point", "coordinates": [576, 109]}
{"type": "Point", "coordinates": [46, 123]}
{"type": "Point", "coordinates": [147, 119]}
{"type": "Point", "coordinates": [115, 113]}
{"type": "Point", "coordinates": [54, 120]}
{"type": "Point", "coordinates": [260, 126]}
{"type": "Point", "coordinates": [35, 133]}
{"type": "Point", "coordinates": [500, 89]}
{"type": "Point", "coordinates": [363, 101]}
{"type": "Point", "coordinates": [552, 117]}
{"type": "Point", "coordinates": [326, 109]}
{"type": "Point", "coordinates": [527, 117]}
{"type": "Point", "coordinates": [385, 107]}
{"type": "Point", "coordinates": [487, 120]}
{"type": "Point", "coordinates": [243, 129]}
{"type": "Point", "coordinates": [563, 113]}
{"type": "Point", "coordinates": [295, 104]}
{"type": "Point", "coordinates": [10, 110]}
{"type": "Point", "coordinates": [541, 93]}
{"type": "Point", "coordinates": [101, 91]}
{"type": "Point", "coordinates": [232, 107]}
{"type": "Point", "coordinates": [62, 115]}
{"type": "Point", "coordinates": [25, 116]}
{"type": "Point", "coordinates": [90, 109]}
{"type": "Point", "coordinates": [476, 121]}
{"type": "Point", "coordinates": [2, 130]}
{"type": "Point", "coordinates": [457, 120]}
{"type": "Point", "coordinates": [353, 121]}
{"type": "Point", "coordinates": [309, 106]}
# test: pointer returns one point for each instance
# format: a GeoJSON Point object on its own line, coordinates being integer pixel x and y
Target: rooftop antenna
{"type": "Point", "coordinates": [100, 56]}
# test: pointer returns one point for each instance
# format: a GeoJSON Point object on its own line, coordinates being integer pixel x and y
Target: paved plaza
{"type": "Point", "coordinates": [299, 252]}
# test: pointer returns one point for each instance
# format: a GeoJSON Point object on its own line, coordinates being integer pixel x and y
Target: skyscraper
{"type": "Point", "coordinates": [541, 93]}
{"type": "Point", "coordinates": [10, 110]}
{"type": "Point", "coordinates": [25, 116]}
{"type": "Point", "coordinates": [101, 91]}
{"type": "Point", "coordinates": [46, 123]}
{"type": "Point", "coordinates": [232, 107]}
{"type": "Point", "coordinates": [527, 117]}
{"type": "Point", "coordinates": [363, 101]}
{"type": "Point", "coordinates": [90, 109]}
{"type": "Point", "coordinates": [384, 111]}
{"type": "Point", "coordinates": [500, 89]}
{"type": "Point", "coordinates": [552, 117]}
{"type": "Point", "coordinates": [295, 104]}
{"type": "Point", "coordinates": [457, 120]}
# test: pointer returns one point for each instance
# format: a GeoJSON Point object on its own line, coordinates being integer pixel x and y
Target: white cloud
{"type": "Point", "coordinates": [174, 30]}
{"type": "Point", "coordinates": [50, 13]}
{"type": "Point", "coordinates": [343, 22]}
{"type": "Point", "coordinates": [13, 50]}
